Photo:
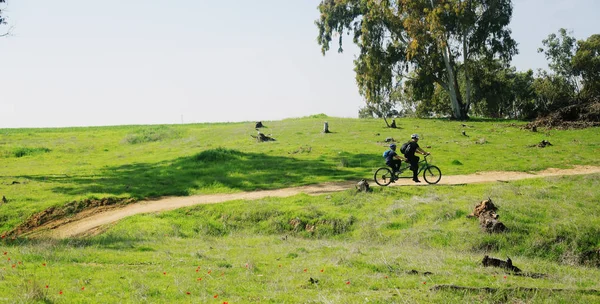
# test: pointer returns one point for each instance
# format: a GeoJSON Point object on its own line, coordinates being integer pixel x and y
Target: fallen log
{"type": "Point", "coordinates": [517, 289]}
{"type": "Point", "coordinates": [260, 137]}
{"type": "Point", "coordinates": [493, 262]}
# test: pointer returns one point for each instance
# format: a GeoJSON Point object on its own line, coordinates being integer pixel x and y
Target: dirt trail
{"type": "Point", "coordinates": [94, 222]}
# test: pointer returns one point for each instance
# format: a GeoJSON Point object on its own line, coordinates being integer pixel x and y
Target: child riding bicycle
{"type": "Point", "coordinates": [392, 159]}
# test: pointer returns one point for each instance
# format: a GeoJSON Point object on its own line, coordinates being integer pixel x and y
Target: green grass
{"type": "Point", "coordinates": [360, 247]}
{"type": "Point", "coordinates": [180, 160]}
{"type": "Point", "coordinates": [253, 251]}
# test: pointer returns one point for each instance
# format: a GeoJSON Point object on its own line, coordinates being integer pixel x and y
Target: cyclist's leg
{"type": "Point", "coordinates": [395, 165]}
{"type": "Point", "coordinates": [414, 167]}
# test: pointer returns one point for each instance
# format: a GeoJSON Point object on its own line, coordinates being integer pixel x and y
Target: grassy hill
{"type": "Point", "coordinates": [361, 247]}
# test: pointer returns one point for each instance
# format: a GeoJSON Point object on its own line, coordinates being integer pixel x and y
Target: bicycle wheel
{"type": "Point", "coordinates": [432, 174]}
{"type": "Point", "coordinates": [383, 176]}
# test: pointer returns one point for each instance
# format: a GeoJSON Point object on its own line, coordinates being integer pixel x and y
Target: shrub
{"type": "Point", "coordinates": [23, 151]}
{"type": "Point", "coordinates": [216, 155]}
{"type": "Point", "coordinates": [152, 134]}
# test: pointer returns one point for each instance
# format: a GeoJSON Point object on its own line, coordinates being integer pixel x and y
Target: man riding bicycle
{"type": "Point", "coordinates": [409, 153]}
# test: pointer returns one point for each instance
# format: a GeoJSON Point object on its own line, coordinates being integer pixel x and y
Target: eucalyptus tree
{"type": "Point", "coordinates": [2, 19]}
{"type": "Point", "coordinates": [503, 91]}
{"type": "Point", "coordinates": [559, 51]}
{"type": "Point", "coordinates": [433, 40]}
{"type": "Point", "coordinates": [586, 63]}
{"type": "Point", "coordinates": [576, 62]}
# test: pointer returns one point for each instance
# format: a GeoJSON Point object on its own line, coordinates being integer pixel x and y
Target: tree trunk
{"type": "Point", "coordinates": [455, 100]}
{"type": "Point", "coordinates": [458, 110]}
{"type": "Point", "coordinates": [386, 122]}
{"type": "Point", "coordinates": [466, 69]}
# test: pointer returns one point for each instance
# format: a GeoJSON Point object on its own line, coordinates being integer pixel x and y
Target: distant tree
{"type": "Point", "coordinates": [559, 50]}
{"type": "Point", "coordinates": [436, 105]}
{"type": "Point", "coordinates": [500, 91]}
{"type": "Point", "coordinates": [385, 107]}
{"type": "Point", "coordinates": [424, 37]}
{"type": "Point", "coordinates": [523, 105]}
{"type": "Point", "coordinates": [552, 92]}
{"type": "Point", "coordinates": [586, 63]}
{"type": "Point", "coordinates": [2, 18]}
{"type": "Point", "coordinates": [492, 88]}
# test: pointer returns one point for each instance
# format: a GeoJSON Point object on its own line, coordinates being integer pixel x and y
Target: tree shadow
{"type": "Point", "coordinates": [110, 242]}
{"type": "Point", "coordinates": [218, 169]}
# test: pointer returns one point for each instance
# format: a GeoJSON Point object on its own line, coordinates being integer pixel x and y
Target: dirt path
{"type": "Point", "coordinates": [94, 222]}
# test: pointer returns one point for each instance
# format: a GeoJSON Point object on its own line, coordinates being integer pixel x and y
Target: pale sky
{"type": "Point", "coordinates": [121, 62]}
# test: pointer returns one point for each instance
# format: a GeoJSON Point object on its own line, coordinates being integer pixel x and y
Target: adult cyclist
{"type": "Point", "coordinates": [409, 153]}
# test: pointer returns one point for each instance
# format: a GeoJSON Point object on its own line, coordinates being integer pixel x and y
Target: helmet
{"type": "Point", "coordinates": [393, 146]}
{"type": "Point", "coordinates": [415, 136]}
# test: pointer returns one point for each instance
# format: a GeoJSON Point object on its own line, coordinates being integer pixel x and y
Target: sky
{"type": "Point", "coordinates": [129, 62]}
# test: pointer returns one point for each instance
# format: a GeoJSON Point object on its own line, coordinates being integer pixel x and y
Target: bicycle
{"type": "Point", "coordinates": [431, 174]}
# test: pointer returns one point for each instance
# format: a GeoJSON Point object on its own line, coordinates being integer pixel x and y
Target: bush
{"type": "Point", "coordinates": [152, 134]}
{"type": "Point", "coordinates": [217, 155]}
{"type": "Point", "coordinates": [22, 151]}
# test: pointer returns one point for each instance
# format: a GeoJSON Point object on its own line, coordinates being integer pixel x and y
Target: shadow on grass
{"type": "Point", "coordinates": [220, 169]}
{"type": "Point", "coordinates": [106, 242]}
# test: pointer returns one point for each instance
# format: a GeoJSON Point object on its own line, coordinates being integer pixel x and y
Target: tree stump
{"type": "Point", "coordinates": [483, 206]}
{"type": "Point", "coordinates": [326, 128]}
{"type": "Point", "coordinates": [488, 219]}
{"type": "Point", "coordinates": [393, 125]}
{"type": "Point", "coordinates": [363, 186]}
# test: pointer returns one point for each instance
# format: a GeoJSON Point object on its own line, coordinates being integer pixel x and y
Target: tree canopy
{"type": "Point", "coordinates": [559, 50]}
{"type": "Point", "coordinates": [586, 63]}
{"type": "Point", "coordinates": [2, 19]}
{"type": "Point", "coordinates": [428, 42]}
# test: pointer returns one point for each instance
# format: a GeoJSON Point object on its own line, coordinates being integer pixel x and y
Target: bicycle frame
{"type": "Point", "coordinates": [431, 173]}
{"type": "Point", "coordinates": [423, 164]}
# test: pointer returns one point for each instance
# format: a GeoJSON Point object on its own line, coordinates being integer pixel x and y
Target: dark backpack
{"type": "Point", "coordinates": [404, 148]}
{"type": "Point", "coordinates": [386, 153]}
